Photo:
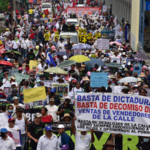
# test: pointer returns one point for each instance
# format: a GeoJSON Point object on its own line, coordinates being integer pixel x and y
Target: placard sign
{"type": "Point", "coordinates": [103, 44]}
{"type": "Point", "coordinates": [99, 80]}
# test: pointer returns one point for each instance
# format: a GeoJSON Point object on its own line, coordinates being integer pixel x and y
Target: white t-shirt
{"type": "Point", "coordinates": [52, 110]}
{"type": "Point", "coordinates": [15, 44]}
{"type": "Point", "coordinates": [15, 128]}
{"type": "Point", "coordinates": [82, 141]}
{"type": "Point", "coordinates": [12, 129]}
{"type": "Point", "coordinates": [8, 144]}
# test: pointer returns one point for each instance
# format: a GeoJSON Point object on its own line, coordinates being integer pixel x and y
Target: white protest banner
{"type": "Point", "coordinates": [104, 8]}
{"type": "Point", "coordinates": [113, 113]}
{"type": "Point", "coordinates": [62, 90]}
{"type": "Point", "coordinates": [117, 59]}
{"type": "Point", "coordinates": [16, 136]}
{"type": "Point", "coordinates": [103, 44]}
{"type": "Point", "coordinates": [47, 83]}
{"type": "Point", "coordinates": [36, 104]}
{"type": "Point", "coordinates": [77, 51]}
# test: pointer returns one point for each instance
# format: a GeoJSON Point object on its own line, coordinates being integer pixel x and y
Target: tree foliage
{"type": "Point", "coordinates": [4, 5]}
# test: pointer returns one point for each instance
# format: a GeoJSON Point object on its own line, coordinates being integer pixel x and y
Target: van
{"type": "Point", "coordinates": [69, 31]}
{"type": "Point", "coordinates": [47, 6]}
{"type": "Point", "coordinates": [72, 21]}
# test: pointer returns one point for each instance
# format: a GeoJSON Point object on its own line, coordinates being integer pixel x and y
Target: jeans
{"type": "Point", "coordinates": [24, 139]}
{"type": "Point", "coordinates": [24, 53]}
{"type": "Point", "coordinates": [18, 148]}
{"type": "Point", "coordinates": [33, 148]}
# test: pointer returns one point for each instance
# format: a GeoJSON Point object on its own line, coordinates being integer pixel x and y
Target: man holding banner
{"type": "Point", "coordinates": [83, 139]}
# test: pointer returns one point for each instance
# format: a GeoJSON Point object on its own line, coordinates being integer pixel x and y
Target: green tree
{"type": "Point", "coordinates": [4, 5]}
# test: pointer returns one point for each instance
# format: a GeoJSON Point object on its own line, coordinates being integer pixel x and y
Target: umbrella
{"type": "Point", "coordinates": [32, 1]}
{"type": "Point", "coordinates": [79, 58]}
{"type": "Point", "coordinates": [37, 25]}
{"type": "Point", "coordinates": [119, 44]}
{"type": "Point", "coordinates": [56, 70]}
{"type": "Point", "coordinates": [6, 63]}
{"type": "Point", "coordinates": [82, 46]}
{"type": "Point", "coordinates": [60, 53]}
{"type": "Point", "coordinates": [142, 56]}
{"type": "Point", "coordinates": [128, 80]}
{"type": "Point", "coordinates": [43, 19]}
{"type": "Point", "coordinates": [52, 23]}
{"type": "Point", "coordinates": [16, 53]}
{"type": "Point", "coordinates": [66, 63]}
{"type": "Point", "coordinates": [94, 61]}
{"type": "Point", "coordinates": [113, 65]}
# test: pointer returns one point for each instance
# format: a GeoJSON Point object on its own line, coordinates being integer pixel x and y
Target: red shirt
{"type": "Point", "coordinates": [32, 35]}
{"type": "Point", "coordinates": [47, 118]}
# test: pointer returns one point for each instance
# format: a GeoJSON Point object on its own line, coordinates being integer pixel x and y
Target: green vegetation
{"type": "Point", "coordinates": [3, 5]}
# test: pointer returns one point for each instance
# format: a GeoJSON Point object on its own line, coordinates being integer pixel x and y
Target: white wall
{"type": "Point", "coordinates": [135, 24]}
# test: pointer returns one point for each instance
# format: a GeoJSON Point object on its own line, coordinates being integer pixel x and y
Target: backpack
{"type": "Point", "coordinates": [71, 144]}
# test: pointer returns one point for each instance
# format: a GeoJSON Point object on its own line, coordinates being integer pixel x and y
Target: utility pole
{"type": "Point", "coordinates": [11, 4]}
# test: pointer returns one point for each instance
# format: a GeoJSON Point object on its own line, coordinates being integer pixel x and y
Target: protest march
{"type": "Point", "coordinates": [70, 80]}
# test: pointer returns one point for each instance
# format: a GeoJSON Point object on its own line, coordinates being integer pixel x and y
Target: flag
{"type": "Point", "coordinates": [115, 21]}
{"type": "Point", "coordinates": [46, 12]}
{"type": "Point", "coordinates": [118, 30]}
{"type": "Point", "coordinates": [50, 60]}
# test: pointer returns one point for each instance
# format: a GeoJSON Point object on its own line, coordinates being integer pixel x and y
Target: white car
{"type": "Point", "coordinates": [80, 5]}
{"type": "Point", "coordinates": [47, 6]}
{"type": "Point", "coordinates": [73, 36]}
{"type": "Point", "coordinates": [72, 21]}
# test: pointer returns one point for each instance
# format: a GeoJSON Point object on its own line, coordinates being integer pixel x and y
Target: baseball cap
{"type": "Point", "coordinates": [61, 126]}
{"type": "Point", "coordinates": [66, 115]}
{"type": "Point", "coordinates": [20, 109]}
{"type": "Point", "coordinates": [67, 98]}
{"type": "Point", "coordinates": [65, 147]}
{"type": "Point", "coordinates": [48, 128]}
{"type": "Point", "coordinates": [74, 81]}
{"type": "Point", "coordinates": [14, 83]}
{"type": "Point", "coordinates": [38, 115]}
{"type": "Point", "coordinates": [4, 130]}
{"type": "Point", "coordinates": [38, 80]}
{"type": "Point", "coordinates": [53, 90]}
{"type": "Point", "coordinates": [51, 99]}
{"type": "Point", "coordinates": [11, 119]}
{"type": "Point", "coordinates": [15, 97]}
{"type": "Point", "coordinates": [12, 77]}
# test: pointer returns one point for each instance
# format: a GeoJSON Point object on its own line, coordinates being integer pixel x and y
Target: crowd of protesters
{"type": "Point", "coordinates": [35, 40]}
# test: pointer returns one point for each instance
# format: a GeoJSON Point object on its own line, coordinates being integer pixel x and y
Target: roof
{"type": "Point", "coordinates": [68, 33]}
{"type": "Point", "coordinates": [80, 5]}
{"type": "Point", "coordinates": [72, 20]}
